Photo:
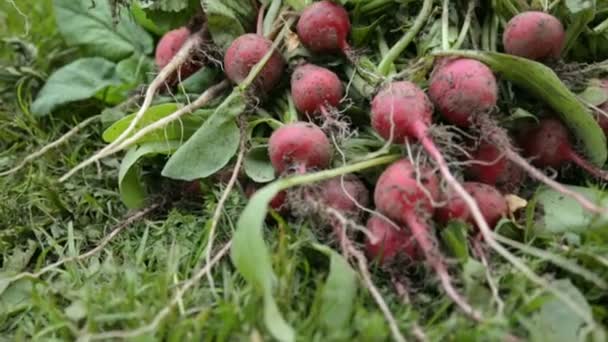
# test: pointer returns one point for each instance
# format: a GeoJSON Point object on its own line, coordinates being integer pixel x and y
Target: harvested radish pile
{"type": "Point", "coordinates": [305, 170]}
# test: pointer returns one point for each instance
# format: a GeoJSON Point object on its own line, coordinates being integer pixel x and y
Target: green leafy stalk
{"type": "Point", "coordinates": [386, 63]}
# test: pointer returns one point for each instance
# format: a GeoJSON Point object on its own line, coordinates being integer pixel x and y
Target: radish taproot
{"type": "Point", "coordinates": [461, 88]}
{"type": "Point", "coordinates": [299, 146]}
{"type": "Point", "coordinates": [492, 203]}
{"type": "Point", "coordinates": [244, 53]}
{"type": "Point", "coordinates": [386, 244]}
{"type": "Point", "coordinates": [534, 35]}
{"type": "Point", "coordinates": [406, 194]}
{"type": "Point", "coordinates": [548, 144]}
{"type": "Point", "coordinates": [323, 27]}
{"type": "Point", "coordinates": [315, 89]}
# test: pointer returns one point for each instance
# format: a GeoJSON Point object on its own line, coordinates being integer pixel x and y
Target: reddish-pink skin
{"type": "Point", "coordinates": [399, 191]}
{"type": "Point", "coordinates": [388, 242]}
{"type": "Point", "coordinates": [461, 88]}
{"type": "Point", "coordinates": [314, 89]}
{"type": "Point", "coordinates": [244, 53]}
{"type": "Point", "coordinates": [324, 27]}
{"type": "Point", "coordinates": [404, 107]}
{"type": "Point", "coordinates": [494, 168]}
{"type": "Point", "coordinates": [299, 145]}
{"type": "Point", "coordinates": [548, 143]}
{"type": "Point", "coordinates": [333, 194]}
{"type": "Point", "coordinates": [167, 48]}
{"type": "Point", "coordinates": [491, 202]}
{"type": "Point", "coordinates": [534, 35]}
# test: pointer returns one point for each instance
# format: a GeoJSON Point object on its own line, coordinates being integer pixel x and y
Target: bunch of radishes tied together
{"type": "Point", "coordinates": [424, 189]}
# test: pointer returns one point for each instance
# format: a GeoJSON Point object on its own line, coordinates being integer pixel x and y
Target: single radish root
{"type": "Point", "coordinates": [299, 146]}
{"type": "Point", "coordinates": [549, 145]}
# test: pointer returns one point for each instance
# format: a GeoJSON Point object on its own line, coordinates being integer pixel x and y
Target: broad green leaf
{"type": "Point", "coordinates": [543, 83]}
{"type": "Point", "coordinates": [580, 13]}
{"type": "Point", "coordinates": [257, 165]}
{"type": "Point", "coordinates": [555, 321]}
{"type": "Point", "coordinates": [339, 292]}
{"type": "Point", "coordinates": [361, 34]}
{"type": "Point", "coordinates": [167, 14]}
{"type": "Point", "coordinates": [176, 130]}
{"type": "Point", "coordinates": [200, 81]}
{"type": "Point", "coordinates": [133, 71]}
{"type": "Point", "coordinates": [142, 19]}
{"type": "Point", "coordinates": [132, 192]}
{"type": "Point", "coordinates": [228, 19]}
{"type": "Point", "coordinates": [594, 95]}
{"type": "Point", "coordinates": [249, 252]}
{"type": "Point", "coordinates": [79, 80]}
{"type": "Point", "coordinates": [93, 28]}
{"type": "Point", "coordinates": [562, 214]}
{"type": "Point", "coordinates": [212, 145]}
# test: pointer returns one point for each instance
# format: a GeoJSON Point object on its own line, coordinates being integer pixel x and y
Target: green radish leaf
{"type": "Point", "coordinates": [228, 19]}
{"type": "Point", "coordinates": [177, 130]}
{"type": "Point", "coordinates": [454, 236]}
{"type": "Point", "coordinates": [79, 80]}
{"type": "Point", "coordinates": [132, 192]}
{"type": "Point", "coordinates": [257, 165]}
{"type": "Point", "coordinates": [200, 81]}
{"type": "Point", "coordinates": [339, 292]}
{"type": "Point", "coordinates": [250, 253]}
{"type": "Point", "coordinates": [562, 214]}
{"type": "Point", "coordinates": [93, 28]}
{"type": "Point", "coordinates": [542, 82]}
{"type": "Point", "coordinates": [580, 13]}
{"type": "Point", "coordinates": [165, 15]}
{"type": "Point", "coordinates": [361, 34]}
{"type": "Point", "coordinates": [594, 96]}
{"type": "Point", "coordinates": [212, 145]}
{"type": "Point", "coordinates": [133, 71]}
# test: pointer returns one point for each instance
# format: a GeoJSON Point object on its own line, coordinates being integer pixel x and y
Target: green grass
{"type": "Point", "coordinates": [125, 285]}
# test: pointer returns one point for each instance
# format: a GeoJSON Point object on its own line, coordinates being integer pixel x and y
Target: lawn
{"type": "Point", "coordinates": [99, 256]}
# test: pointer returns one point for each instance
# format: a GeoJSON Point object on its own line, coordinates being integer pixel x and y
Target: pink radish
{"type": "Point", "coordinates": [244, 53]}
{"type": "Point", "coordinates": [299, 146]}
{"type": "Point", "coordinates": [490, 166]}
{"type": "Point", "coordinates": [315, 89]}
{"type": "Point", "coordinates": [386, 244]}
{"type": "Point", "coordinates": [405, 194]}
{"type": "Point", "coordinates": [534, 35]}
{"type": "Point", "coordinates": [491, 202]}
{"type": "Point", "coordinates": [168, 46]}
{"type": "Point", "coordinates": [549, 145]}
{"type": "Point", "coordinates": [462, 88]}
{"type": "Point", "coordinates": [324, 27]}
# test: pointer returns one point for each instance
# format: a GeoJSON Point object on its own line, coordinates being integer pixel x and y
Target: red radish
{"type": "Point", "coordinates": [490, 166]}
{"type": "Point", "coordinates": [315, 89]}
{"type": "Point", "coordinates": [385, 243]}
{"type": "Point", "coordinates": [405, 194]}
{"type": "Point", "coordinates": [462, 88]}
{"type": "Point", "coordinates": [534, 35]}
{"type": "Point", "coordinates": [403, 109]}
{"type": "Point", "coordinates": [324, 27]}
{"type": "Point", "coordinates": [549, 144]}
{"type": "Point", "coordinates": [299, 145]}
{"type": "Point", "coordinates": [244, 53]}
{"type": "Point", "coordinates": [168, 46]}
{"type": "Point", "coordinates": [345, 195]}
{"type": "Point", "coordinates": [491, 202]}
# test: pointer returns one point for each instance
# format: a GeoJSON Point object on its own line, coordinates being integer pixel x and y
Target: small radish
{"type": "Point", "coordinates": [401, 110]}
{"type": "Point", "coordinates": [324, 27]}
{"type": "Point", "coordinates": [315, 89]}
{"type": "Point", "coordinates": [244, 53]}
{"type": "Point", "coordinates": [345, 195]}
{"type": "Point", "coordinates": [385, 243]}
{"type": "Point", "coordinates": [490, 166]}
{"type": "Point", "coordinates": [549, 145]}
{"type": "Point", "coordinates": [462, 88]}
{"type": "Point", "coordinates": [491, 202]}
{"type": "Point", "coordinates": [299, 146]}
{"type": "Point", "coordinates": [405, 194]}
{"type": "Point", "coordinates": [168, 46]}
{"type": "Point", "coordinates": [534, 35]}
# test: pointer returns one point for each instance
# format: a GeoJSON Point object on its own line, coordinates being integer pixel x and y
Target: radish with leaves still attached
{"type": "Point", "coordinates": [388, 243]}
{"type": "Point", "coordinates": [491, 202]}
{"type": "Point", "coordinates": [534, 35]}
{"type": "Point", "coordinates": [324, 27]}
{"type": "Point", "coordinates": [298, 147]}
{"type": "Point", "coordinates": [315, 90]}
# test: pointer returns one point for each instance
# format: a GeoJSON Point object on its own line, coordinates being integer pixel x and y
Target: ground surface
{"type": "Point", "coordinates": [130, 287]}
